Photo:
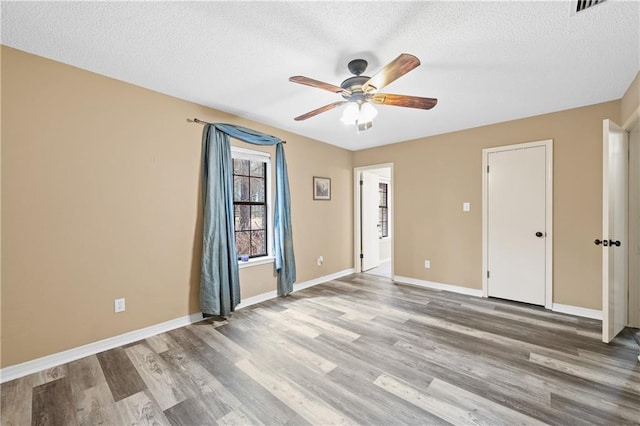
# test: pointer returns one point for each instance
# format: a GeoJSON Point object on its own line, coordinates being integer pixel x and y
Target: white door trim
{"type": "Point", "coordinates": [356, 213]}
{"type": "Point", "coordinates": [548, 215]}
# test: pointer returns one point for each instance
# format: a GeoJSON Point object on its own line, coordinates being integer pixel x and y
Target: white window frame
{"type": "Point", "coordinates": [265, 157]}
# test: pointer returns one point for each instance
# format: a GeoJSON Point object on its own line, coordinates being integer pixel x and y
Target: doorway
{"type": "Point", "coordinates": [517, 222]}
{"type": "Point", "coordinates": [373, 220]}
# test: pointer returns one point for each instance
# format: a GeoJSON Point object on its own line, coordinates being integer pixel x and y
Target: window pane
{"type": "Point", "coordinates": [257, 190]}
{"type": "Point", "coordinates": [243, 243]}
{"type": "Point", "coordinates": [242, 218]}
{"type": "Point", "coordinates": [383, 195]}
{"type": "Point", "coordinates": [258, 243]}
{"type": "Point", "coordinates": [257, 168]}
{"type": "Point", "coordinates": [258, 217]}
{"type": "Point", "coordinates": [241, 167]}
{"type": "Point", "coordinates": [240, 188]}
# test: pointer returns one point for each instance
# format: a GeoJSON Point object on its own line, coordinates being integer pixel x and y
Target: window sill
{"type": "Point", "coordinates": [256, 261]}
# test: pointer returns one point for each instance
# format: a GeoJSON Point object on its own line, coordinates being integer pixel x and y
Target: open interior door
{"type": "Point", "coordinates": [615, 175]}
{"type": "Point", "coordinates": [370, 197]}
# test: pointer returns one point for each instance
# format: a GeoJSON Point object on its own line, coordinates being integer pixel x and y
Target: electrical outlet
{"type": "Point", "coordinates": [466, 206]}
{"type": "Point", "coordinates": [320, 260]}
{"type": "Point", "coordinates": [427, 264]}
{"type": "Point", "coordinates": [119, 305]}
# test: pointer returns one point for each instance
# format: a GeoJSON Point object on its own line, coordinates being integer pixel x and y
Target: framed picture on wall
{"type": "Point", "coordinates": [321, 188]}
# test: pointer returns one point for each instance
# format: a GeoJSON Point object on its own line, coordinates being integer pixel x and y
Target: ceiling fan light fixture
{"type": "Point", "coordinates": [359, 113]}
{"type": "Point", "coordinates": [351, 113]}
{"type": "Point", "coordinates": [367, 113]}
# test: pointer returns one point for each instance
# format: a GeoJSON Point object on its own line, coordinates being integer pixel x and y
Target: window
{"type": "Point", "coordinates": [383, 217]}
{"type": "Point", "coordinates": [251, 176]}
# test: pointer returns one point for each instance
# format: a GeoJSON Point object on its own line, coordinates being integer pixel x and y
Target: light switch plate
{"type": "Point", "coordinates": [466, 207]}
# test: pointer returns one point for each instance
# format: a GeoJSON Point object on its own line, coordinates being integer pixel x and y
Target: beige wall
{"type": "Point", "coordinates": [101, 199]}
{"type": "Point", "coordinates": [433, 176]}
{"type": "Point", "coordinates": [631, 100]}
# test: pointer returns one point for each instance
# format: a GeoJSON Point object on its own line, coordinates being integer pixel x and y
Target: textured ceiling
{"type": "Point", "coordinates": [486, 62]}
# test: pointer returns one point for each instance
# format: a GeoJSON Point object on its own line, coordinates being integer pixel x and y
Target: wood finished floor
{"type": "Point", "coordinates": [358, 350]}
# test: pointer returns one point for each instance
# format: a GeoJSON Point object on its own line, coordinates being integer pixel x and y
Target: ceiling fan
{"type": "Point", "coordinates": [361, 91]}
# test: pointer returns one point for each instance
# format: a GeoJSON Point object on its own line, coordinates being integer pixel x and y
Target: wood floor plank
{"type": "Point", "coordinates": [15, 401]}
{"type": "Point", "coordinates": [122, 377]}
{"type": "Point", "coordinates": [140, 409]}
{"type": "Point", "coordinates": [188, 413]}
{"type": "Point", "coordinates": [275, 318]}
{"type": "Point", "coordinates": [95, 406]}
{"type": "Point", "coordinates": [238, 418]}
{"type": "Point", "coordinates": [323, 326]}
{"type": "Point", "coordinates": [295, 397]}
{"type": "Point", "coordinates": [199, 383]}
{"type": "Point", "coordinates": [156, 375]}
{"type": "Point", "coordinates": [50, 375]}
{"type": "Point", "coordinates": [85, 373]}
{"type": "Point", "coordinates": [52, 404]}
{"type": "Point", "coordinates": [161, 342]}
{"type": "Point", "coordinates": [219, 342]}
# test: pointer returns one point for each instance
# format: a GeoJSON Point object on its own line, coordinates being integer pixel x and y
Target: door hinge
{"type": "Point", "coordinates": [487, 169]}
{"type": "Point", "coordinates": [361, 256]}
{"type": "Point", "coordinates": [487, 274]}
{"type": "Point", "coordinates": [361, 182]}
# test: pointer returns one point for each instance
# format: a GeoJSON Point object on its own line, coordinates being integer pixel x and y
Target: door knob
{"type": "Point", "coordinates": [597, 242]}
{"type": "Point", "coordinates": [615, 243]}
{"type": "Point", "coordinates": [539, 234]}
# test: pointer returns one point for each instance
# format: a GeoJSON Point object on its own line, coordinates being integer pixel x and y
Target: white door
{"type": "Point", "coordinates": [370, 194]}
{"type": "Point", "coordinates": [615, 175]}
{"type": "Point", "coordinates": [516, 228]}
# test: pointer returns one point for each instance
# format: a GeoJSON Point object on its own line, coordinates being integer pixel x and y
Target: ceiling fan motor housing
{"type": "Point", "coordinates": [357, 66]}
{"type": "Point", "coordinates": [354, 84]}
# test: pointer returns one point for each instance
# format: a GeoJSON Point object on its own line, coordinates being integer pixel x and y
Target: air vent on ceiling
{"type": "Point", "coordinates": [582, 5]}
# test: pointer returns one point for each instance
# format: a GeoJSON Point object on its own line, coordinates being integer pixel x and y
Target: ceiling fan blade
{"type": "Point", "coordinates": [404, 101]}
{"type": "Point", "coordinates": [319, 84]}
{"type": "Point", "coordinates": [319, 110]}
{"type": "Point", "coordinates": [392, 71]}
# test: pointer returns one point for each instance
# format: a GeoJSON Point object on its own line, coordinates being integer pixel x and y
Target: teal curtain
{"type": "Point", "coordinates": [219, 279]}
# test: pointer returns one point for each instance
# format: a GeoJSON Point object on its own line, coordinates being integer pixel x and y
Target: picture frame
{"type": "Point", "coordinates": [321, 188]}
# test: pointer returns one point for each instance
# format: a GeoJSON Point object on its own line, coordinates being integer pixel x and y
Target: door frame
{"type": "Point", "coordinates": [606, 283]}
{"type": "Point", "coordinates": [357, 266]}
{"type": "Point", "coordinates": [548, 144]}
{"type": "Point", "coordinates": [633, 279]}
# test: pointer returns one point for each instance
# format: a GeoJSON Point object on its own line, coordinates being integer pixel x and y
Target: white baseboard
{"type": "Point", "coordinates": [556, 307]}
{"type": "Point", "coordinates": [296, 287]}
{"type": "Point", "coordinates": [438, 286]}
{"type": "Point", "coordinates": [49, 361]}
{"type": "Point", "coordinates": [39, 364]}
{"type": "Point", "coordinates": [577, 311]}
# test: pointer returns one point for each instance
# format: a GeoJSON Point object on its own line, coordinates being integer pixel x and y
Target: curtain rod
{"type": "Point", "coordinates": [197, 120]}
